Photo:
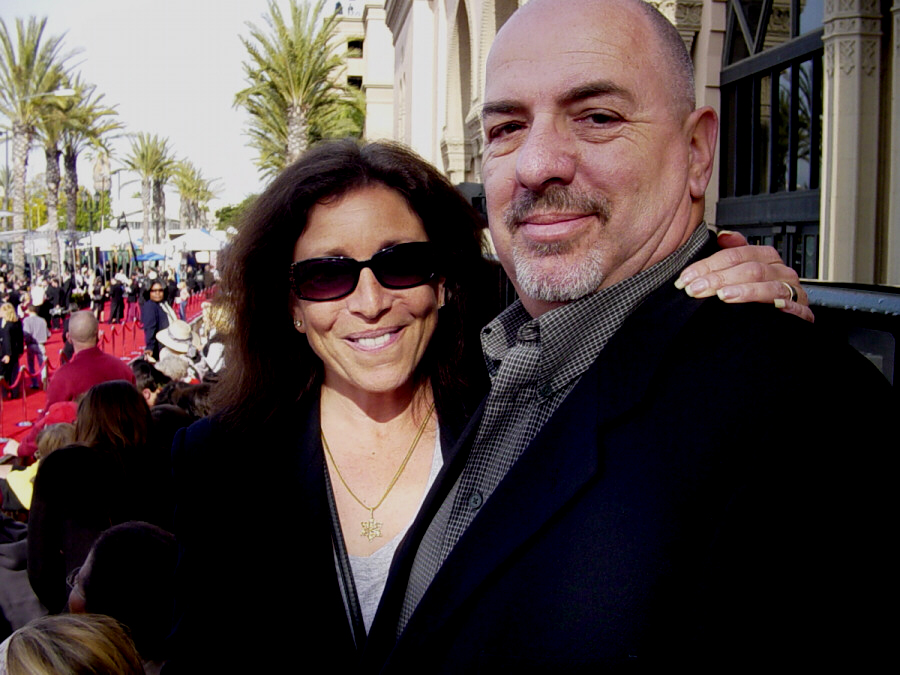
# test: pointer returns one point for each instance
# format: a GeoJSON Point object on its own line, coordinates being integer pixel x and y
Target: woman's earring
{"type": "Point", "coordinates": [298, 323]}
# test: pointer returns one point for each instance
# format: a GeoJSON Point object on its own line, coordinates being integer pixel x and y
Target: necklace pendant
{"type": "Point", "coordinates": [371, 528]}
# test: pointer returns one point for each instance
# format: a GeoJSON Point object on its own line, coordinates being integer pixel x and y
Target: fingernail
{"type": "Point", "coordinates": [686, 278]}
{"type": "Point", "coordinates": [721, 232]}
{"type": "Point", "coordinates": [780, 303]}
{"type": "Point", "coordinates": [697, 287]}
{"type": "Point", "coordinates": [728, 293]}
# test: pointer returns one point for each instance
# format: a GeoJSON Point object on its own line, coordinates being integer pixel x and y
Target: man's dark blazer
{"type": "Point", "coordinates": [708, 494]}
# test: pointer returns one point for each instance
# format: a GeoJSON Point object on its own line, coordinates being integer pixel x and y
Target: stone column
{"type": "Point", "coordinates": [851, 105]}
{"type": "Point", "coordinates": [890, 240]}
{"type": "Point", "coordinates": [378, 83]}
{"type": "Point", "coordinates": [685, 15]}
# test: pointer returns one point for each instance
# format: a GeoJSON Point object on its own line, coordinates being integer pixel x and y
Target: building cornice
{"type": "Point", "coordinates": [396, 11]}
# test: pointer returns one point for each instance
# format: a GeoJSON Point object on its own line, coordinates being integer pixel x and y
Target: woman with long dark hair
{"type": "Point", "coordinates": [353, 364]}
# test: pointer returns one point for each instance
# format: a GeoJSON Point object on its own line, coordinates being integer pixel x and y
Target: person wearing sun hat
{"type": "Point", "coordinates": [179, 341]}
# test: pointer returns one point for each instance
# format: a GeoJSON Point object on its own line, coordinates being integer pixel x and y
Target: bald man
{"type": "Point", "coordinates": [642, 488]}
{"type": "Point", "coordinates": [89, 365]}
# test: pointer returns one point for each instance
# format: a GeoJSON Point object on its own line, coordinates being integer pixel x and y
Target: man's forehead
{"type": "Point", "coordinates": [562, 44]}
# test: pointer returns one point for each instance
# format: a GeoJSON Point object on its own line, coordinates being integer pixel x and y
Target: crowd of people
{"type": "Point", "coordinates": [99, 457]}
{"type": "Point", "coordinates": [28, 311]}
{"type": "Point", "coordinates": [99, 453]}
{"type": "Point", "coordinates": [438, 490]}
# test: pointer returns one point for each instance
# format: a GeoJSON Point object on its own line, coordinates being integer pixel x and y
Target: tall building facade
{"type": "Point", "coordinates": [363, 37]}
{"type": "Point", "coordinates": [808, 92]}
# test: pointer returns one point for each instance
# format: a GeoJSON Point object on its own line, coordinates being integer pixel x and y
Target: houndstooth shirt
{"type": "Point", "coordinates": [533, 365]}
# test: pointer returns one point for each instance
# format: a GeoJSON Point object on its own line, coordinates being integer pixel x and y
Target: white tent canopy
{"type": "Point", "coordinates": [106, 240]}
{"type": "Point", "coordinates": [195, 240]}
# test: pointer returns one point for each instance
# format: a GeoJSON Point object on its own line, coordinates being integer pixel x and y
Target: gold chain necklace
{"type": "Point", "coordinates": [372, 528]}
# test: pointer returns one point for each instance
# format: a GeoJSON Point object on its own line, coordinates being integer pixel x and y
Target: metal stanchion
{"type": "Point", "coordinates": [21, 380]}
{"type": "Point", "coordinates": [3, 437]}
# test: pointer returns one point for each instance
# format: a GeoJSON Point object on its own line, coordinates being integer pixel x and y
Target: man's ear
{"type": "Point", "coordinates": [702, 126]}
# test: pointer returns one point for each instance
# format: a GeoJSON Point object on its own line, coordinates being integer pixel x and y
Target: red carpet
{"type": "Point", "coordinates": [124, 340]}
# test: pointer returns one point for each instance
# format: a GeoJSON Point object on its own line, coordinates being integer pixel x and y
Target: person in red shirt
{"type": "Point", "coordinates": [89, 366]}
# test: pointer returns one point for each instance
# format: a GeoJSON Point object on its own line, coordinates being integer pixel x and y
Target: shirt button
{"type": "Point", "coordinates": [475, 501]}
{"type": "Point", "coordinates": [546, 391]}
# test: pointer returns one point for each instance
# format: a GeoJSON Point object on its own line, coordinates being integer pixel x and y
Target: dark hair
{"type": "Point", "coordinates": [192, 398]}
{"type": "Point", "coordinates": [268, 363]}
{"type": "Point", "coordinates": [113, 415]}
{"type": "Point", "coordinates": [146, 376]}
{"type": "Point", "coordinates": [131, 578]}
{"type": "Point", "coordinates": [167, 419]}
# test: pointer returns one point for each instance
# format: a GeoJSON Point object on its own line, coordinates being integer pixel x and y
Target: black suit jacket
{"type": "Point", "coordinates": [709, 495]}
{"type": "Point", "coordinates": [256, 585]}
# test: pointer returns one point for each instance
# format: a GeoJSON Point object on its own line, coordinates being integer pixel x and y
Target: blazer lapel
{"type": "Point", "coordinates": [382, 635]}
{"type": "Point", "coordinates": [565, 455]}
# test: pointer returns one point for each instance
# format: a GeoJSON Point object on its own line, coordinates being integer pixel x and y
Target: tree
{"type": "Point", "coordinates": [35, 202]}
{"type": "Point", "coordinates": [66, 126]}
{"type": "Point", "coordinates": [5, 183]}
{"type": "Point", "coordinates": [195, 192]}
{"type": "Point", "coordinates": [50, 128]}
{"type": "Point", "coordinates": [87, 124]}
{"type": "Point", "coordinates": [150, 157]}
{"type": "Point", "coordinates": [340, 121]}
{"type": "Point", "coordinates": [158, 209]}
{"type": "Point", "coordinates": [292, 90]}
{"type": "Point", "coordinates": [230, 216]}
{"type": "Point", "coordinates": [31, 67]}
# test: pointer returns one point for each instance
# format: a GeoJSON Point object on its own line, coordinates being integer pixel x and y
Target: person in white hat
{"type": "Point", "coordinates": [178, 341]}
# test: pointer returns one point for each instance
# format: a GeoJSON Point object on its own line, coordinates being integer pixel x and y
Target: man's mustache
{"type": "Point", "coordinates": [555, 198]}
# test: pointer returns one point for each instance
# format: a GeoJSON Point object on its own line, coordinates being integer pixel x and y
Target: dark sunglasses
{"type": "Point", "coordinates": [400, 266]}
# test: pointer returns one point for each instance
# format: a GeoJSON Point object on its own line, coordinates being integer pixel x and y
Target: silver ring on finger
{"type": "Point", "coordinates": [791, 290]}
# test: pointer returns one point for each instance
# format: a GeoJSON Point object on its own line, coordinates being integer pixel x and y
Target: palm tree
{"type": "Point", "coordinates": [5, 183]}
{"type": "Point", "coordinates": [150, 157]}
{"type": "Point", "coordinates": [50, 131]}
{"type": "Point", "coordinates": [88, 124]}
{"type": "Point", "coordinates": [160, 179]}
{"type": "Point", "coordinates": [291, 75]}
{"type": "Point", "coordinates": [31, 68]}
{"type": "Point", "coordinates": [195, 192]}
{"type": "Point", "coordinates": [339, 121]}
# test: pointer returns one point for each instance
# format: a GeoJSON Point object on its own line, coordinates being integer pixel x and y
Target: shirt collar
{"type": "Point", "coordinates": [584, 326]}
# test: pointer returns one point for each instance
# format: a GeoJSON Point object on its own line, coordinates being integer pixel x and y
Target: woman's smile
{"type": "Point", "coordinates": [375, 340]}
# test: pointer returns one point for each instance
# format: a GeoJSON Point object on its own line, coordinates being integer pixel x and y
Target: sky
{"type": "Point", "coordinates": [171, 68]}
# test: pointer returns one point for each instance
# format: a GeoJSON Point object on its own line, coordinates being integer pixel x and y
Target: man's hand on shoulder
{"type": "Point", "coordinates": [741, 273]}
